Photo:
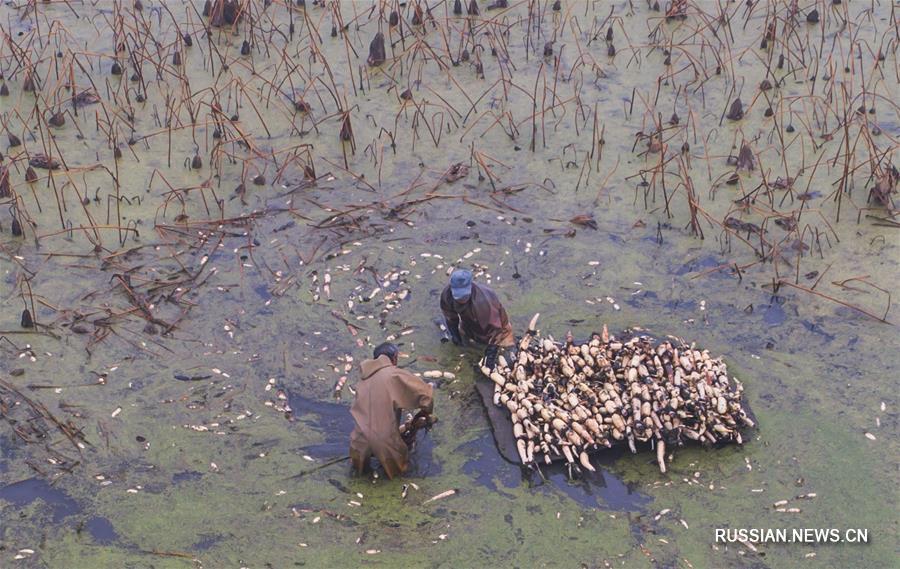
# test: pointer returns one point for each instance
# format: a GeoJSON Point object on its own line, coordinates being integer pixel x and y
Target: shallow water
{"type": "Point", "coordinates": [211, 471]}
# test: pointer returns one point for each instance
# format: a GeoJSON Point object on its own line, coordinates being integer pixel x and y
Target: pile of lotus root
{"type": "Point", "coordinates": [567, 400]}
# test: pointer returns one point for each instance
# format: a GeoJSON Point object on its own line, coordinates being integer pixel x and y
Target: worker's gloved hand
{"type": "Point", "coordinates": [490, 357]}
{"type": "Point", "coordinates": [455, 336]}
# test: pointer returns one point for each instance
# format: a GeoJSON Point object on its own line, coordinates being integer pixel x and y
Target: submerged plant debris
{"type": "Point", "coordinates": [211, 211]}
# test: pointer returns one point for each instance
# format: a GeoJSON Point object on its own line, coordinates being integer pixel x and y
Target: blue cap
{"type": "Point", "coordinates": [461, 283]}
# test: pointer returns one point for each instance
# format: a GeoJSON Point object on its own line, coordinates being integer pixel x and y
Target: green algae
{"type": "Point", "coordinates": [815, 373]}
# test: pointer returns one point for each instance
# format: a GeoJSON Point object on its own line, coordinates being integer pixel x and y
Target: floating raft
{"type": "Point", "coordinates": [565, 401]}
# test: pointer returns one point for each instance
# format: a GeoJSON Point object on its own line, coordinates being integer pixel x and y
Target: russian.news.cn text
{"type": "Point", "coordinates": [791, 535]}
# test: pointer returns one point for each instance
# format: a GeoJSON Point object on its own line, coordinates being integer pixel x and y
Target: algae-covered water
{"type": "Point", "coordinates": [173, 406]}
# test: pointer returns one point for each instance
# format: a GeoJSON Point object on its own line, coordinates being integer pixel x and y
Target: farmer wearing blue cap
{"type": "Point", "coordinates": [474, 313]}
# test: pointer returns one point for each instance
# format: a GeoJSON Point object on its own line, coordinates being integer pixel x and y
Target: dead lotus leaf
{"type": "Point", "coordinates": [44, 161]}
{"type": "Point", "coordinates": [584, 220]}
{"type": "Point", "coordinates": [456, 172]}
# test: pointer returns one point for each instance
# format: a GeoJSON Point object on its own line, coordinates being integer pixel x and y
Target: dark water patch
{"type": "Point", "coordinates": [640, 299]}
{"type": "Point", "coordinates": [597, 489]}
{"type": "Point", "coordinates": [262, 290]}
{"type": "Point", "coordinates": [774, 314]}
{"type": "Point", "coordinates": [339, 485]}
{"type": "Point", "coordinates": [600, 489]}
{"type": "Point", "coordinates": [421, 460]}
{"type": "Point", "coordinates": [698, 264]}
{"type": "Point", "coordinates": [207, 541]}
{"type": "Point", "coordinates": [332, 420]}
{"type": "Point", "coordinates": [101, 530]}
{"type": "Point", "coordinates": [186, 476]}
{"type": "Point", "coordinates": [681, 304]}
{"type": "Point", "coordinates": [816, 328]}
{"type": "Point", "coordinates": [5, 454]}
{"type": "Point", "coordinates": [487, 466]}
{"type": "Point", "coordinates": [61, 506]}
{"type": "Point", "coordinates": [25, 492]}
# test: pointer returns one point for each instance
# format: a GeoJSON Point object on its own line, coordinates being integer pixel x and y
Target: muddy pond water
{"type": "Point", "coordinates": [174, 405]}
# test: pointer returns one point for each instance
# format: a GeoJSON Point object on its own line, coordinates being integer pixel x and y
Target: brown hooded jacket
{"type": "Point", "coordinates": [383, 391]}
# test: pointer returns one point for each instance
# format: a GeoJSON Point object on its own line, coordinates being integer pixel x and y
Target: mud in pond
{"type": "Point", "coordinates": [208, 218]}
